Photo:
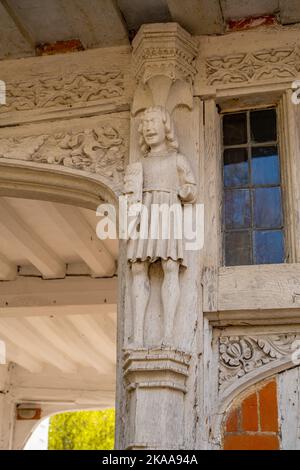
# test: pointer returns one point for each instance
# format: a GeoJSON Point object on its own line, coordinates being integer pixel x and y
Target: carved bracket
{"type": "Point", "coordinates": [164, 64]}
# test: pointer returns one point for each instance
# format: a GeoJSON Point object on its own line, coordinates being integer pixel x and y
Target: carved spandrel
{"type": "Point", "coordinates": [240, 355]}
{"type": "Point", "coordinates": [100, 150]}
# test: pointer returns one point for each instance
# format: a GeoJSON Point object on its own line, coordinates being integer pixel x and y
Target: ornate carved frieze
{"type": "Point", "coordinates": [240, 355]}
{"type": "Point", "coordinates": [99, 150]}
{"type": "Point", "coordinates": [283, 63]}
{"type": "Point", "coordinates": [63, 91]}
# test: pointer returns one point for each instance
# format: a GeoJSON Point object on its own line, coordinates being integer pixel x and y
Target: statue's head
{"type": "Point", "coordinates": [155, 128]}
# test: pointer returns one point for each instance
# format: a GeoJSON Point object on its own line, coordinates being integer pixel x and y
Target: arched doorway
{"type": "Point", "coordinates": [58, 307]}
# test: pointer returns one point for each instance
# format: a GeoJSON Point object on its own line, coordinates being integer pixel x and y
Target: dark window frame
{"type": "Point", "coordinates": [251, 187]}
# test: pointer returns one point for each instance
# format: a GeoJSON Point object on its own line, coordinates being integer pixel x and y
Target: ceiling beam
{"type": "Point", "coordinates": [289, 11]}
{"type": "Point", "coordinates": [80, 341]}
{"type": "Point", "coordinates": [97, 398]}
{"type": "Point", "coordinates": [60, 339]}
{"type": "Point", "coordinates": [34, 249]}
{"type": "Point", "coordinates": [96, 22]}
{"type": "Point", "coordinates": [137, 12]}
{"type": "Point", "coordinates": [72, 291]}
{"type": "Point", "coordinates": [97, 336]}
{"type": "Point", "coordinates": [198, 16]}
{"type": "Point", "coordinates": [21, 335]}
{"type": "Point", "coordinates": [83, 239]}
{"type": "Point", "coordinates": [22, 358]}
{"type": "Point", "coordinates": [15, 42]}
{"type": "Point", "coordinates": [8, 270]}
{"type": "Point", "coordinates": [236, 9]}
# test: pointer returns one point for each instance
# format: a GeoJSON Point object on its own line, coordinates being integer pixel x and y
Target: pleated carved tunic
{"type": "Point", "coordinates": [168, 183]}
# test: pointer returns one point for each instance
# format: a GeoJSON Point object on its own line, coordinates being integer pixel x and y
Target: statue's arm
{"type": "Point", "coordinates": [133, 182]}
{"type": "Point", "coordinates": [188, 189]}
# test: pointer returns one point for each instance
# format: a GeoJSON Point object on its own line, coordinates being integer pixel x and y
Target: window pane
{"type": "Point", "coordinates": [237, 249]}
{"type": "Point", "coordinates": [263, 125]}
{"type": "Point", "coordinates": [265, 165]}
{"type": "Point", "coordinates": [237, 208]}
{"type": "Point", "coordinates": [267, 208]}
{"type": "Point", "coordinates": [268, 247]}
{"type": "Point", "coordinates": [236, 167]}
{"type": "Point", "coordinates": [235, 129]}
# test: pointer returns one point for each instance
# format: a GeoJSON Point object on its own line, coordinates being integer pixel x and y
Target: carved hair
{"type": "Point", "coordinates": [169, 129]}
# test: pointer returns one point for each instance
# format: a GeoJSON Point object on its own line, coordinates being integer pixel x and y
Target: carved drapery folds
{"type": "Point", "coordinates": [240, 355]}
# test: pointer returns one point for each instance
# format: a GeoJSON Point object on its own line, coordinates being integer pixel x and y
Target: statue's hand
{"type": "Point", "coordinates": [187, 193]}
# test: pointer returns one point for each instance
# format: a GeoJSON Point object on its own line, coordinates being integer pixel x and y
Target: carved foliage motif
{"type": "Point", "coordinates": [64, 90]}
{"type": "Point", "coordinates": [246, 68]}
{"type": "Point", "coordinates": [100, 150]}
{"type": "Point", "coordinates": [240, 355]}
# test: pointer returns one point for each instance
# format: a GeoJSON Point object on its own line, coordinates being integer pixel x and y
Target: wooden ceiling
{"type": "Point", "coordinates": [58, 289]}
{"type": "Point", "coordinates": [26, 24]}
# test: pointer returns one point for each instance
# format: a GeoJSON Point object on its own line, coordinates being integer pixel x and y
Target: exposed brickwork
{"type": "Point", "coordinates": [251, 22]}
{"type": "Point", "coordinates": [253, 423]}
{"type": "Point", "coordinates": [268, 412]}
{"type": "Point", "coordinates": [60, 47]}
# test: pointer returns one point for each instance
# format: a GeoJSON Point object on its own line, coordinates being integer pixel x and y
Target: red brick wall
{"type": "Point", "coordinates": [253, 423]}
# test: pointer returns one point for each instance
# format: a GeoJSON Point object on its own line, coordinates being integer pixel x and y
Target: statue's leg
{"type": "Point", "coordinates": [140, 299]}
{"type": "Point", "coordinates": [170, 296]}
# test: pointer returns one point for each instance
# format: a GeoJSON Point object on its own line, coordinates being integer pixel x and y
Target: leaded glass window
{"type": "Point", "coordinates": [253, 216]}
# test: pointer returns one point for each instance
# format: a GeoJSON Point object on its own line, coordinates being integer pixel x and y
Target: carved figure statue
{"type": "Point", "coordinates": [163, 181]}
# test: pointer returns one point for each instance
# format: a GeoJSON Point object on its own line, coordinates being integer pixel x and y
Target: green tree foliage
{"type": "Point", "coordinates": [82, 430]}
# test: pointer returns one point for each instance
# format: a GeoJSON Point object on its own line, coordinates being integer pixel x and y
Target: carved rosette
{"type": "Point", "coordinates": [240, 355]}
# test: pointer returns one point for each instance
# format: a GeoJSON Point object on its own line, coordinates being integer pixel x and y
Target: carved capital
{"type": "Point", "coordinates": [164, 49]}
{"type": "Point", "coordinates": [164, 66]}
{"type": "Point", "coordinates": [156, 368]}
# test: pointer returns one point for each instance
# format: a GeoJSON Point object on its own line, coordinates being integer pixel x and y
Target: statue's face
{"type": "Point", "coordinates": [153, 129]}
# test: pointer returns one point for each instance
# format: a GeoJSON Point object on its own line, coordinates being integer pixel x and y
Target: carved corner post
{"type": "Point", "coordinates": [157, 389]}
